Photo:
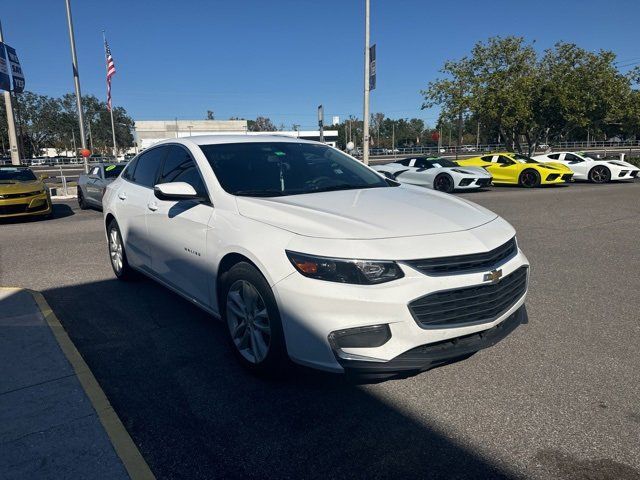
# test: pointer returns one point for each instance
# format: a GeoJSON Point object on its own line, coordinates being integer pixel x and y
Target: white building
{"type": "Point", "coordinates": [148, 132]}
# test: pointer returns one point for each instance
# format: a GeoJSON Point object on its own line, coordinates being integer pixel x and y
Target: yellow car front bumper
{"type": "Point", "coordinates": [39, 204]}
{"type": "Point", "coordinates": [549, 178]}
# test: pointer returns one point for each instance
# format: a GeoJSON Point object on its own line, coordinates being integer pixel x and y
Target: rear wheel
{"type": "Point", "coordinates": [600, 174]}
{"type": "Point", "coordinates": [250, 311]}
{"type": "Point", "coordinates": [443, 183]}
{"type": "Point", "coordinates": [117, 253]}
{"type": "Point", "coordinates": [82, 203]}
{"type": "Point", "coordinates": [529, 179]}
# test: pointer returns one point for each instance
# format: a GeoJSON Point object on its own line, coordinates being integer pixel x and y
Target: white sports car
{"type": "Point", "coordinates": [436, 173]}
{"type": "Point", "coordinates": [592, 169]}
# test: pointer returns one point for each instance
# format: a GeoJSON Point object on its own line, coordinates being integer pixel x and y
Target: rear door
{"type": "Point", "coordinates": [92, 186]}
{"type": "Point", "coordinates": [178, 229]}
{"type": "Point", "coordinates": [133, 198]}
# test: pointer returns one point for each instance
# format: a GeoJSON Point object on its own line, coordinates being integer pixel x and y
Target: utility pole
{"type": "Point", "coordinates": [11, 123]}
{"type": "Point", "coordinates": [90, 136]}
{"type": "Point", "coordinates": [365, 120]}
{"type": "Point", "coordinates": [393, 138]}
{"type": "Point", "coordinates": [321, 122]}
{"type": "Point", "coordinates": [76, 81]}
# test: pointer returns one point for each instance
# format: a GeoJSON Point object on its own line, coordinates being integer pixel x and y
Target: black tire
{"type": "Point", "coordinates": [529, 179]}
{"type": "Point", "coordinates": [125, 272]}
{"type": "Point", "coordinates": [276, 360]}
{"type": "Point", "coordinates": [82, 203]}
{"type": "Point", "coordinates": [600, 174]}
{"type": "Point", "coordinates": [443, 183]}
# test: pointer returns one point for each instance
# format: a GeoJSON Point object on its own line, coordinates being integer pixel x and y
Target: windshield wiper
{"type": "Point", "coordinates": [342, 187]}
{"type": "Point", "coordinates": [259, 193]}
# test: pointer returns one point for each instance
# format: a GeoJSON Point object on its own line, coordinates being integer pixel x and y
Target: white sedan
{"type": "Point", "coordinates": [307, 254]}
{"type": "Point", "coordinates": [592, 169]}
{"type": "Point", "coordinates": [437, 173]}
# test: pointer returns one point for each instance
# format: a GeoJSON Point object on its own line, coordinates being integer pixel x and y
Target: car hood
{"type": "Point", "coordinates": [11, 186]}
{"type": "Point", "coordinates": [620, 163]}
{"type": "Point", "coordinates": [367, 213]}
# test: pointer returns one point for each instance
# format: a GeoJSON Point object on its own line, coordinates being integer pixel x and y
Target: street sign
{"type": "Point", "coordinates": [5, 82]}
{"type": "Point", "coordinates": [16, 70]}
{"type": "Point", "coordinates": [372, 67]}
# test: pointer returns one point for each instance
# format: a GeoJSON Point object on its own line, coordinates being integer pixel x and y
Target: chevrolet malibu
{"type": "Point", "coordinates": [308, 255]}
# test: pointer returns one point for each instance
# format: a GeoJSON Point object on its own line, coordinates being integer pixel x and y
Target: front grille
{"type": "Point", "coordinates": [21, 208]}
{"type": "Point", "coordinates": [13, 209]}
{"type": "Point", "coordinates": [552, 176]}
{"type": "Point", "coordinates": [567, 177]}
{"type": "Point", "coordinates": [634, 174]}
{"type": "Point", "coordinates": [465, 263]}
{"type": "Point", "coordinates": [483, 182]}
{"type": "Point", "coordinates": [623, 173]}
{"type": "Point", "coordinates": [19, 195]}
{"type": "Point", "coordinates": [481, 303]}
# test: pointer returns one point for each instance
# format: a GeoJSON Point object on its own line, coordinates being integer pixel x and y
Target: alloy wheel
{"type": "Point", "coordinates": [248, 321]}
{"type": "Point", "coordinates": [443, 183]}
{"type": "Point", "coordinates": [529, 179]}
{"type": "Point", "coordinates": [599, 174]}
{"type": "Point", "coordinates": [115, 250]}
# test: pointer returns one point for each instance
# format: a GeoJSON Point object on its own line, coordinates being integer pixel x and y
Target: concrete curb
{"type": "Point", "coordinates": [124, 446]}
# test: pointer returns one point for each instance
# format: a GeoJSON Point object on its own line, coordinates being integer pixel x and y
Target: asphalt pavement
{"type": "Point", "coordinates": [558, 398]}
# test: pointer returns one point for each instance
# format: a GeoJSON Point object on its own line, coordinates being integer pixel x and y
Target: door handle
{"type": "Point", "coordinates": [122, 196]}
{"type": "Point", "coordinates": [152, 206]}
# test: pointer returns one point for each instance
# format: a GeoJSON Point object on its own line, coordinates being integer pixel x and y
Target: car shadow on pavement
{"type": "Point", "coordinates": [170, 374]}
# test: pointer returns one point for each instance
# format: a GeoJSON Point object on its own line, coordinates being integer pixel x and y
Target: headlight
{"type": "Point", "coordinates": [342, 270]}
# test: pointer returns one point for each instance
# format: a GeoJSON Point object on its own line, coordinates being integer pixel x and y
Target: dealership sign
{"type": "Point", "coordinates": [10, 68]}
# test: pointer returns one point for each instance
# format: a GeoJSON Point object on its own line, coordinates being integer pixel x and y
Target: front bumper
{"type": "Point", "coordinates": [312, 309]}
{"type": "Point", "coordinates": [19, 207]}
{"type": "Point", "coordinates": [432, 355]}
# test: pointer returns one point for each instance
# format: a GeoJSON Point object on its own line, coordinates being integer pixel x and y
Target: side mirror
{"type": "Point", "coordinates": [175, 191]}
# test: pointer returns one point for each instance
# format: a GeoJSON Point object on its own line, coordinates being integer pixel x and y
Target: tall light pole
{"type": "Point", "coordinates": [365, 120]}
{"type": "Point", "coordinates": [76, 81]}
{"type": "Point", "coordinates": [321, 122]}
{"type": "Point", "coordinates": [11, 123]}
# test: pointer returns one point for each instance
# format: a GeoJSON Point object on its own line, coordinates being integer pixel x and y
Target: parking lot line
{"type": "Point", "coordinates": [124, 446]}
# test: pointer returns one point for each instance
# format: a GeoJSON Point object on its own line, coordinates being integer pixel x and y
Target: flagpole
{"type": "Point", "coordinates": [113, 127]}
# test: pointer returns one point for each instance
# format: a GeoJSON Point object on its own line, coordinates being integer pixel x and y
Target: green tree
{"type": "Point", "coordinates": [261, 124]}
{"type": "Point", "coordinates": [526, 98]}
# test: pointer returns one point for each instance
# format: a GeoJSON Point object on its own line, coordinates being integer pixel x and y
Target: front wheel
{"type": "Point", "coordinates": [443, 183]}
{"type": "Point", "coordinates": [529, 179]}
{"type": "Point", "coordinates": [250, 311]}
{"type": "Point", "coordinates": [600, 174]}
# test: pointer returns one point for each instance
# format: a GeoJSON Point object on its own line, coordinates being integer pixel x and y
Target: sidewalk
{"type": "Point", "coordinates": [55, 422]}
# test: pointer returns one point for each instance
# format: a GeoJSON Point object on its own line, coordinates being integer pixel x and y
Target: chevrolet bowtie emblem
{"type": "Point", "coordinates": [493, 276]}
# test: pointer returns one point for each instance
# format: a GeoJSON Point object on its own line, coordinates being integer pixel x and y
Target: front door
{"type": "Point", "coordinates": [178, 230]}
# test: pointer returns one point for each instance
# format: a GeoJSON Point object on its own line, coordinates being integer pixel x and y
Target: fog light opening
{"type": "Point", "coordinates": [360, 337]}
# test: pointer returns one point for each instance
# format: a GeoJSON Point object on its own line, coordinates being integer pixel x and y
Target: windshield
{"type": "Point", "coordinates": [268, 169]}
{"type": "Point", "coordinates": [441, 162]}
{"type": "Point", "coordinates": [17, 174]}
{"type": "Point", "coordinates": [522, 159]}
{"type": "Point", "coordinates": [112, 171]}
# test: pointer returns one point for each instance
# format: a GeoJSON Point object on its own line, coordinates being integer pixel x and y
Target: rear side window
{"type": "Point", "coordinates": [131, 167]}
{"type": "Point", "coordinates": [179, 166]}
{"type": "Point", "coordinates": [147, 168]}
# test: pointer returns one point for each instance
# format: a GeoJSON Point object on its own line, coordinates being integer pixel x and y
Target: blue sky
{"type": "Point", "coordinates": [281, 58]}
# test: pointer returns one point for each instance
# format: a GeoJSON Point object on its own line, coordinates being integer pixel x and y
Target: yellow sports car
{"type": "Point", "coordinates": [22, 193]}
{"type": "Point", "coordinates": [515, 169]}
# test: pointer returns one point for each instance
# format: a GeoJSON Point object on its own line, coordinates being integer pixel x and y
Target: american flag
{"type": "Point", "coordinates": [111, 71]}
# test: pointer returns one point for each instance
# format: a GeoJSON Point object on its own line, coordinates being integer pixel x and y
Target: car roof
{"type": "Point", "coordinates": [236, 138]}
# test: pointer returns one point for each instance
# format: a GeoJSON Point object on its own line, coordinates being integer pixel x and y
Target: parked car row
{"type": "Point", "coordinates": [506, 168]}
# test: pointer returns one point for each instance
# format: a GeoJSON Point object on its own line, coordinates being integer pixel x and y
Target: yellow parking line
{"type": "Point", "coordinates": [131, 457]}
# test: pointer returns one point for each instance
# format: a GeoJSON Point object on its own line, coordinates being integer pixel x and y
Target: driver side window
{"type": "Point", "coordinates": [570, 157]}
{"type": "Point", "coordinates": [504, 160]}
